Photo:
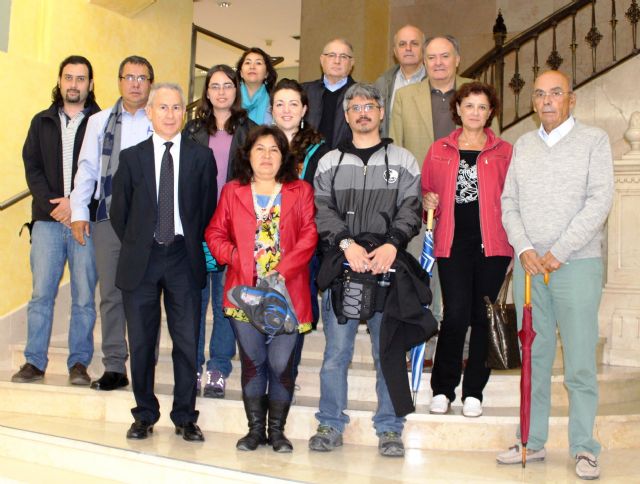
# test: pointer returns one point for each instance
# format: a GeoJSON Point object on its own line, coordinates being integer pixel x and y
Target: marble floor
{"type": "Point", "coordinates": [351, 463]}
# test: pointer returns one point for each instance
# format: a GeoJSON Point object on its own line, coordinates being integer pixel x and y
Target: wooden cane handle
{"type": "Point", "coordinates": [430, 219]}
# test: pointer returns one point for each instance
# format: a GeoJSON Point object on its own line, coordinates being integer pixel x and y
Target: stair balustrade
{"type": "Point", "coordinates": [587, 32]}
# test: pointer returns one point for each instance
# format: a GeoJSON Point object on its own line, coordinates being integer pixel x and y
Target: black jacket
{"type": "Point", "coordinates": [196, 131]}
{"type": "Point", "coordinates": [405, 321]}
{"type": "Point", "coordinates": [134, 211]}
{"type": "Point", "coordinates": [315, 90]}
{"type": "Point", "coordinates": [42, 155]}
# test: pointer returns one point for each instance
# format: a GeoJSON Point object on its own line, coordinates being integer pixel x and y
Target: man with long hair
{"type": "Point", "coordinates": [50, 157]}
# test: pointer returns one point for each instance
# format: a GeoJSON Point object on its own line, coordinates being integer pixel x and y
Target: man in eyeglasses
{"type": "Point", "coordinates": [109, 132]}
{"type": "Point", "coordinates": [50, 156]}
{"type": "Point", "coordinates": [365, 186]}
{"type": "Point", "coordinates": [556, 199]}
{"type": "Point", "coordinates": [326, 94]}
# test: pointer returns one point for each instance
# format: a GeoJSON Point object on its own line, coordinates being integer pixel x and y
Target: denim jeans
{"type": "Point", "coordinates": [266, 365]}
{"type": "Point", "coordinates": [222, 344]}
{"type": "Point", "coordinates": [340, 339]}
{"type": "Point", "coordinates": [52, 245]}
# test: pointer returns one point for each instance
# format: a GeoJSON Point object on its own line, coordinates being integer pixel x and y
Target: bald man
{"type": "Point", "coordinates": [408, 43]}
{"type": "Point", "coordinates": [556, 200]}
{"type": "Point", "coordinates": [326, 94]}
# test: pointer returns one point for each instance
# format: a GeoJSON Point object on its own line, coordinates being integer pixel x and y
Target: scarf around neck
{"type": "Point", "coordinates": [258, 105]}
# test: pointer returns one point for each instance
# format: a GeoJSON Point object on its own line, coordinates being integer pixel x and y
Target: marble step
{"type": "Point", "coordinates": [313, 346]}
{"type": "Point", "coordinates": [64, 440]}
{"type": "Point", "coordinates": [32, 455]}
{"type": "Point", "coordinates": [617, 384]}
{"type": "Point", "coordinates": [617, 425]}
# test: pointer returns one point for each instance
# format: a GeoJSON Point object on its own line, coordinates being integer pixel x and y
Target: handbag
{"type": "Point", "coordinates": [358, 295]}
{"type": "Point", "coordinates": [503, 350]}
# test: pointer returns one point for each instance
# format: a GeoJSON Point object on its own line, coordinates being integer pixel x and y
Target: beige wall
{"type": "Point", "coordinates": [363, 22]}
{"type": "Point", "coordinates": [42, 33]}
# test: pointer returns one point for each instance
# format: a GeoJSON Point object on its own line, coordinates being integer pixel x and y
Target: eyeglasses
{"type": "Point", "coordinates": [554, 94]}
{"type": "Point", "coordinates": [132, 78]}
{"type": "Point", "coordinates": [334, 56]}
{"type": "Point", "coordinates": [358, 108]}
{"type": "Point", "coordinates": [227, 86]}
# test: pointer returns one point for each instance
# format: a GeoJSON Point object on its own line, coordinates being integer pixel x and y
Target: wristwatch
{"type": "Point", "coordinates": [345, 243]}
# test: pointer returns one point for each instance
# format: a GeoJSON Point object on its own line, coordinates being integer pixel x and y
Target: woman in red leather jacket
{"type": "Point", "coordinates": [462, 180]}
{"type": "Point", "coordinates": [264, 224]}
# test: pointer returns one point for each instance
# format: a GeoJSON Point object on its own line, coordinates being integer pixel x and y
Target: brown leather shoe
{"type": "Point", "coordinates": [78, 375]}
{"type": "Point", "coordinates": [27, 373]}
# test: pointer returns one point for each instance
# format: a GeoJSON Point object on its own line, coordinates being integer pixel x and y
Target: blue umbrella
{"type": "Point", "coordinates": [417, 352]}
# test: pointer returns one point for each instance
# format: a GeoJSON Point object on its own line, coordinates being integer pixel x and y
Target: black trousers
{"type": "Point", "coordinates": [168, 274]}
{"type": "Point", "coordinates": [465, 278]}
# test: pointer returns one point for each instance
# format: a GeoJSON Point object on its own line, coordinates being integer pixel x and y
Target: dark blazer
{"type": "Point", "coordinates": [315, 90]}
{"type": "Point", "coordinates": [197, 132]}
{"type": "Point", "coordinates": [134, 207]}
{"type": "Point", "coordinates": [42, 155]}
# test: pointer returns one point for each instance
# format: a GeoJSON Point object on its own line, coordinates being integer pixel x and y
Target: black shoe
{"type": "Point", "coordinates": [278, 412]}
{"type": "Point", "coordinates": [139, 430]}
{"type": "Point", "coordinates": [78, 375]}
{"type": "Point", "coordinates": [110, 381]}
{"type": "Point", "coordinates": [190, 432]}
{"type": "Point", "coordinates": [27, 373]}
{"type": "Point", "coordinates": [256, 410]}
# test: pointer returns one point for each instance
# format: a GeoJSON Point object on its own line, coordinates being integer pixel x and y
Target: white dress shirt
{"type": "Point", "coordinates": [158, 150]}
{"type": "Point", "coordinates": [135, 128]}
{"type": "Point", "coordinates": [558, 133]}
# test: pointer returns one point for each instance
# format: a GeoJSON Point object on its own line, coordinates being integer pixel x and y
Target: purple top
{"type": "Point", "coordinates": [220, 144]}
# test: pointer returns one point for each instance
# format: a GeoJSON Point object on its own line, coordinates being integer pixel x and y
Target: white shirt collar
{"type": "Point", "coordinates": [159, 142]}
{"type": "Point", "coordinates": [558, 133]}
{"type": "Point", "coordinates": [333, 87]}
{"type": "Point", "coordinates": [416, 77]}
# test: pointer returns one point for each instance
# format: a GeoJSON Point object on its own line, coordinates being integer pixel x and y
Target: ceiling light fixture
{"type": "Point", "coordinates": [224, 4]}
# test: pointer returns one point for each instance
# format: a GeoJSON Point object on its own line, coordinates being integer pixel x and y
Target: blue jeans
{"type": "Point", "coordinates": [222, 345]}
{"type": "Point", "coordinates": [266, 365]}
{"type": "Point", "coordinates": [340, 339]}
{"type": "Point", "coordinates": [52, 245]}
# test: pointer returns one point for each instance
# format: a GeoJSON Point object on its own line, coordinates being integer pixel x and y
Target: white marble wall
{"type": "Point", "coordinates": [620, 307]}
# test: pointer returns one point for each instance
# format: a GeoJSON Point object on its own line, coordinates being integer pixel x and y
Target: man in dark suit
{"type": "Point", "coordinates": [164, 194]}
{"type": "Point", "coordinates": [325, 95]}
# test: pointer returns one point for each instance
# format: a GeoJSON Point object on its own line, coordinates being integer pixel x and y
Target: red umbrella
{"type": "Point", "coordinates": [526, 335]}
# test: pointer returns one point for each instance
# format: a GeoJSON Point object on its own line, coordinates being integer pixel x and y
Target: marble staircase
{"type": "Point", "coordinates": [616, 427]}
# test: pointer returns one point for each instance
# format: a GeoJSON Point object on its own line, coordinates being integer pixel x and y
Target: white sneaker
{"type": "Point", "coordinates": [587, 466]}
{"type": "Point", "coordinates": [472, 407]}
{"type": "Point", "coordinates": [514, 455]}
{"type": "Point", "coordinates": [439, 404]}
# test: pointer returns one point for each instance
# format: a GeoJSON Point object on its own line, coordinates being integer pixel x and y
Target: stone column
{"type": "Point", "coordinates": [620, 306]}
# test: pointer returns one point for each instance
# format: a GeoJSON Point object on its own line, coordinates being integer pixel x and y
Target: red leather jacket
{"type": "Point", "coordinates": [439, 174]}
{"type": "Point", "coordinates": [231, 236]}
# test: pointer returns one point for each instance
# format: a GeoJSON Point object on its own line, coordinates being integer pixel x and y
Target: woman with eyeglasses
{"type": "Point", "coordinates": [221, 124]}
{"type": "Point", "coordinates": [257, 78]}
{"type": "Point", "coordinates": [264, 226]}
{"type": "Point", "coordinates": [462, 180]}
